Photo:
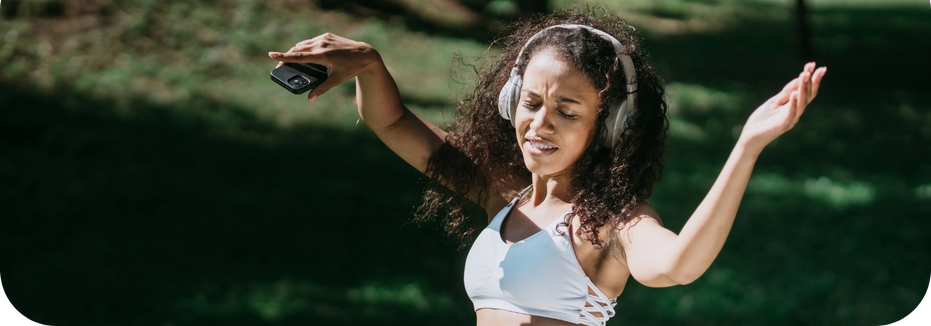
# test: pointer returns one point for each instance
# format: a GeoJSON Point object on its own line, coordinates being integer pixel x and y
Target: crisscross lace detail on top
{"type": "Point", "coordinates": [598, 308]}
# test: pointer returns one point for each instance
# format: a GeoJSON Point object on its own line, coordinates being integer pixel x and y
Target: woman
{"type": "Point", "coordinates": [560, 143]}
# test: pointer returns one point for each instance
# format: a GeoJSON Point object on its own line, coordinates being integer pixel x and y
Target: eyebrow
{"type": "Point", "coordinates": [559, 99]}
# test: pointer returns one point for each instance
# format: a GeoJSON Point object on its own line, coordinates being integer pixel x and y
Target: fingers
{"type": "Point", "coordinates": [783, 96]}
{"type": "Point", "coordinates": [343, 58]}
{"type": "Point", "coordinates": [812, 81]}
{"type": "Point", "coordinates": [299, 53]}
{"type": "Point", "coordinates": [816, 80]}
{"type": "Point", "coordinates": [304, 51]}
{"type": "Point", "coordinates": [793, 109]}
{"type": "Point", "coordinates": [805, 87]}
{"type": "Point", "coordinates": [323, 39]}
{"type": "Point", "coordinates": [810, 67]}
{"type": "Point", "coordinates": [296, 57]}
{"type": "Point", "coordinates": [807, 83]}
{"type": "Point", "coordinates": [803, 90]}
{"type": "Point", "coordinates": [329, 83]}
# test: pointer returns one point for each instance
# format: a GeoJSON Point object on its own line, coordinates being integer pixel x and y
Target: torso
{"type": "Point", "coordinates": [608, 273]}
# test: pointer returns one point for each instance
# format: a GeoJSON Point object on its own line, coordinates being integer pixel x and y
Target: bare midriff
{"type": "Point", "coordinates": [498, 317]}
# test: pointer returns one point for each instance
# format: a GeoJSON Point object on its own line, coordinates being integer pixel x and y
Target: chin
{"type": "Point", "coordinates": [541, 168]}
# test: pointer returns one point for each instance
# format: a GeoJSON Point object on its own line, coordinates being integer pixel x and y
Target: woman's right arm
{"type": "Point", "coordinates": [411, 137]}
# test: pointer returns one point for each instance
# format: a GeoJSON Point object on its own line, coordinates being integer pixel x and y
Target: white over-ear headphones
{"type": "Point", "coordinates": [617, 117]}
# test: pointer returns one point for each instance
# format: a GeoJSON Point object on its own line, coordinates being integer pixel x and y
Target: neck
{"type": "Point", "coordinates": [549, 190]}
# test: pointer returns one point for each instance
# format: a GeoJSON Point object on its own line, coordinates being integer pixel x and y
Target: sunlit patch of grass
{"type": "Point", "coordinates": [923, 191]}
{"type": "Point", "coordinates": [678, 17]}
{"type": "Point", "coordinates": [722, 290]}
{"type": "Point", "coordinates": [446, 13]}
{"type": "Point", "coordinates": [856, 3]}
{"type": "Point", "coordinates": [698, 113]}
{"type": "Point", "coordinates": [835, 193]}
{"type": "Point", "coordinates": [410, 295]}
{"type": "Point", "coordinates": [770, 183]}
{"type": "Point", "coordinates": [839, 194]}
{"type": "Point", "coordinates": [686, 130]}
{"type": "Point", "coordinates": [692, 98]}
{"type": "Point", "coordinates": [177, 52]}
{"type": "Point", "coordinates": [423, 65]}
{"type": "Point", "coordinates": [274, 301]}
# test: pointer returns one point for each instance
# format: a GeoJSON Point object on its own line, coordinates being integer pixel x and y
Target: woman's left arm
{"type": "Point", "coordinates": [656, 256]}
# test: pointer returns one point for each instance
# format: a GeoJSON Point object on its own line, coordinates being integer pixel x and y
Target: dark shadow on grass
{"type": "Point", "coordinates": [116, 218]}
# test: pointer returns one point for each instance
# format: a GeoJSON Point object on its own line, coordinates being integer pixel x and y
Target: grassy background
{"type": "Point", "coordinates": [151, 174]}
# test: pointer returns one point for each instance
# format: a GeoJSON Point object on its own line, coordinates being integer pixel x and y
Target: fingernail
{"type": "Point", "coordinates": [273, 54]}
{"type": "Point", "coordinates": [312, 97]}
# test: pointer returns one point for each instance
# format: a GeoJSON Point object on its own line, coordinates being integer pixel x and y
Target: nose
{"type": "Point", "coordinates": [542, 123]}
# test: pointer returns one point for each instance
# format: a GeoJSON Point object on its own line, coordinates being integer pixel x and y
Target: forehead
{"type": "Point", "coordinates": [550, 73]}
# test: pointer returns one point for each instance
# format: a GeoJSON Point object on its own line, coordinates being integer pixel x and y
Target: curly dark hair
{"type": "Point", "coordinates": [481, 149]}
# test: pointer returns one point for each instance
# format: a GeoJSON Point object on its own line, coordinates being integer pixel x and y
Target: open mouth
{"type": "Point", "coordinates": [540, 147]}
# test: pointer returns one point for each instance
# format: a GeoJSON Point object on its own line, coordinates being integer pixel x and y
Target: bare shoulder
{"type": "Point", "coordinates": [500, 195]}
{"type": "Point", "coordinates": [643, 211]}
{"type": "Point", "coordinates": [643, 218]}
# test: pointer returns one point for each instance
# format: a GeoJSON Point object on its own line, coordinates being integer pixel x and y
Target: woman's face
{"type": "Point", "coordinates": [557, 112]}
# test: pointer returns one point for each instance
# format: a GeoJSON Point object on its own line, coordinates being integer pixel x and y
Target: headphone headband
{"type": "Point", "coordinates": [617, 117]}
{"type": "Point", "coordinates": [619, 48]}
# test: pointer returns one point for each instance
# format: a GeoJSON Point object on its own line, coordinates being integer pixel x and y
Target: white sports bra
{"type": "Point", "coordinates": [539, 275]}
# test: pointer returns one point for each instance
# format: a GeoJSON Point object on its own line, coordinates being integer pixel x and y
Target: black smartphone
{"type": "Point", "coordinates": [298, 78]}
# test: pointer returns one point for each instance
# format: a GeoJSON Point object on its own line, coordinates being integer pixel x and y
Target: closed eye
{"type": "Point", "coordinates": [567, 116]}
{"type": "Point", "coordinates": [534, 107]}
{"type": "Point", "coordinates": [530, 106]}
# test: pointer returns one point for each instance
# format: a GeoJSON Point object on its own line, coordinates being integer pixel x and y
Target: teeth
{"type": "Point", "coordinates": [541, 146]}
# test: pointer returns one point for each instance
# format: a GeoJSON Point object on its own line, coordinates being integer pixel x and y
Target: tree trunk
{"type": "Point", "coordinates": [804, 35]}
{"type": "Point", "coordinates": [530, 7]}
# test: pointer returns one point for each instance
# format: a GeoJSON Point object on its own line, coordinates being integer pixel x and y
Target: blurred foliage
{"type": "Point", "coordinates": [151, 174]}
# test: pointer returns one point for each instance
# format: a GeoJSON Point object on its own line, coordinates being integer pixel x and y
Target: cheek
{"type": "Point", "coordinates": [582, 135]}
{"type": "Point", "coordinates": [581, 139]}
{"type": "Point", "coordinates": [579, 144]}
{"type": "Point", "coordinates": [521, 123]}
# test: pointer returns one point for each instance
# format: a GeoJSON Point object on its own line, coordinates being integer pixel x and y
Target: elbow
{"type": "Point", "coordinates": [393, 123]}
{"type": "Point", "coordinates": [683, 278]}
{"type": "Point", "coordinates": [683, 275]}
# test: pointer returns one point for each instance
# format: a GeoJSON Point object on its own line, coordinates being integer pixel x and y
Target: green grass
{"type": "Point", "coordinates": [151, 174]}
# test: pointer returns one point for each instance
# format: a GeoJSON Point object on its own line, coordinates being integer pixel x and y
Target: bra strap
{"type": "Point", "coordinates": [521, 194]}
{"type": "Point", "coordinates": [597, 303]}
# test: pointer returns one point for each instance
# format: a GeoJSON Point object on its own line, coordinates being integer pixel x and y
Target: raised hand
{"type": "Point", "coordinates": [781, 112]}
{"type": "Point", "coordinates": [344, 59]}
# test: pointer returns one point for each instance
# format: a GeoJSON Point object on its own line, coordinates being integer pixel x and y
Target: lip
{"type": "Point", "coordinates": [539, 147]}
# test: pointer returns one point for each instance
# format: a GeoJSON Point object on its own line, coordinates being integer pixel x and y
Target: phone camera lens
{"type": "Point", "coordinates": [298, 81]}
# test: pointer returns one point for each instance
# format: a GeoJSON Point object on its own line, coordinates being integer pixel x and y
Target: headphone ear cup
{"type": "Point", "coordinates": [507, 99]}
{"type": "Point", "coordinates": [615, 124]}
